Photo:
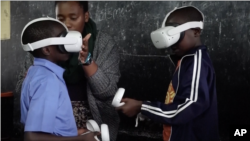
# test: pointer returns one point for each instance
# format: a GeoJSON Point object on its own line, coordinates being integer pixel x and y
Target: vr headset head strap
{"type": "Point", "coordinates": [166, 17]}
{"type": "Point", "coordinates": [41, 43]}
{"type": "Point", "coordinates": [185, 27]}
{"type": "Point", "coordinates": [49, 41]}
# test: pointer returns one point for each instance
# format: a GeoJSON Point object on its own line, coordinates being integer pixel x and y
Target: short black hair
{"type": "Point", "coordinates": [83, 4]}
{"type": "Point", "coordinates": [38, 31]}
{"type": "Point", "coordinates": [188, 13]}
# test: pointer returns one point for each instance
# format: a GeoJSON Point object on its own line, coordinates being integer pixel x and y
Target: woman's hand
{"type": "Point", "coordinates": [83, 54]}
{"type": "Point", "coordinates": [91, 68]}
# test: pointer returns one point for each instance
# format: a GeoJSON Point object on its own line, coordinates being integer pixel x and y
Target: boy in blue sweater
{"type": "Point", "coordinates": [189, 112]}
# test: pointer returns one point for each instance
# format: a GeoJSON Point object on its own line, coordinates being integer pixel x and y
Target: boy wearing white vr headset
{"type": "Point", "coordinates": [46, 110]}
{"type": "Point", "coordinates": [189, 111]}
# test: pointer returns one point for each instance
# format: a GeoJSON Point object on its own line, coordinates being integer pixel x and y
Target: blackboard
{"type": "Point", "coordinates": [146, 71]}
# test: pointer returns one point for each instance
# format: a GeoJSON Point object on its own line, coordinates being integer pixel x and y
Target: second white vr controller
{"type": "Point", "coordinates": [93, 127]}
{"type": "Point", "coordinates": [118, 97]}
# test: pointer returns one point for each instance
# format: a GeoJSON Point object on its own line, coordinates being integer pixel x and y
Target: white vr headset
{"type": "Point", "coordinates": [69, 41]}
{"type": "Point", "coordinates": [169, 35]}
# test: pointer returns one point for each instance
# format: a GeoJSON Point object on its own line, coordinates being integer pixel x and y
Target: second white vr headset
{"type": "Point", "coordinates": [69, 41]}
{"type": "Point", "coordinates": [169, 35]}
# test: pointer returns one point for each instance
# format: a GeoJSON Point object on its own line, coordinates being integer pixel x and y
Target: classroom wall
{"type": "Point", "coordinates": [146, 71]}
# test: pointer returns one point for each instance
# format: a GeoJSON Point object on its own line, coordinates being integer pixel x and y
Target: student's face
{"type": "Point", "coordinates": [72, 15]}
{"type": "Point", "coordinates": [188, 40]}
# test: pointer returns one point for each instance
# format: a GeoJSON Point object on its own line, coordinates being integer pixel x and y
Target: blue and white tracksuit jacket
{"type": "Point", "coordinates": [193, 113]}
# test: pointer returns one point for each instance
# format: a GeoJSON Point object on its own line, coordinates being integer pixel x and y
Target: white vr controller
{"type": "Point", "coordinates": [118, 97]}
{"type": "Point", "coordinates": [117, 103]}
{"type": "Point", "coordinates": [93, 127]}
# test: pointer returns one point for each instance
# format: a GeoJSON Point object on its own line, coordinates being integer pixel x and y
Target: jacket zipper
{"type": "Point", "coordinates": [178, 81]}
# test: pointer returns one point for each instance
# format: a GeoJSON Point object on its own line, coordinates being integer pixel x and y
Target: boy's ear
{"type": "Point", "coordinates": [46, 51]}
{"type": "Point", "coordinates": [197, 32]}
{"type": "Point", "coordinates": [86, 16]}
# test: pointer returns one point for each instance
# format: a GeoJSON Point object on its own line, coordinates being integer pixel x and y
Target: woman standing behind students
{"type": "Point", "coordinates": [92, 84]}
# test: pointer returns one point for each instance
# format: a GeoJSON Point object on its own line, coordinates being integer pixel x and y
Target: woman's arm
{"type": "Point", "coordinates": [103, 83]}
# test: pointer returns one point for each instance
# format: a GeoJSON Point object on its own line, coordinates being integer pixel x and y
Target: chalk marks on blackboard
{"type": "Point", "coordinates": [147, 21]}
{"type": "Point", "coordinates": [127, 12]}
{"type": "Point", "coordinates": [108, 12]}
{"type": "Point", "coordinates": [41, 9]}
{"type": "Point", "coordinates": [219, 34]}
{"type": "Point", "coordinates": [206, 5]}
{"type": "Point", "coordinates": [220, 29]}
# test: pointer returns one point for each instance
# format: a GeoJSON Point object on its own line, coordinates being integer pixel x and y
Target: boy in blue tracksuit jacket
{"type": "Point", "coordinates": [189, 112]}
